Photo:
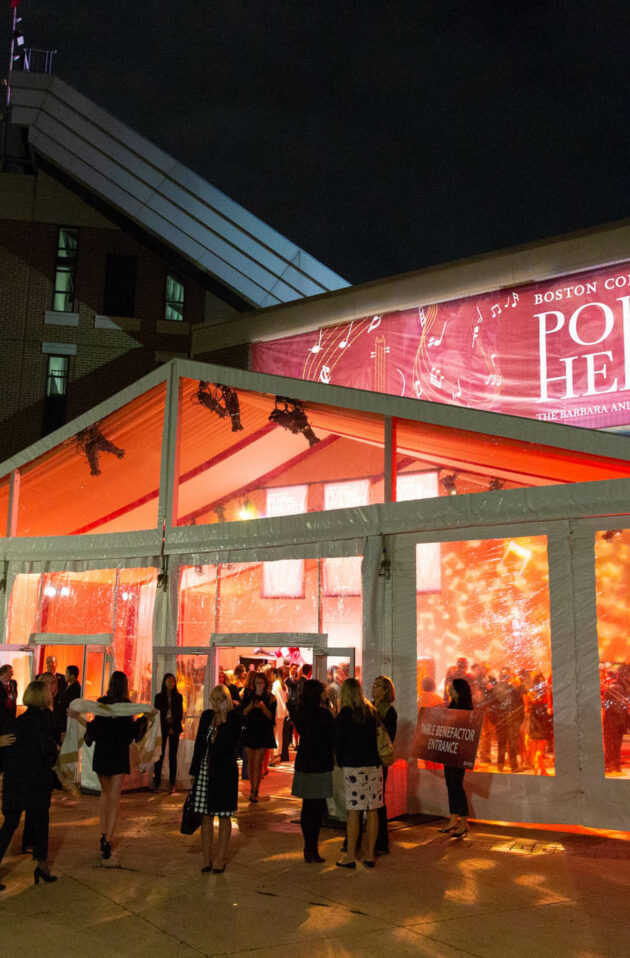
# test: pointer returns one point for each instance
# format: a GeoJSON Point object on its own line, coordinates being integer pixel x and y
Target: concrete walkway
{"type": "Point", "coordinates": [504, 892]}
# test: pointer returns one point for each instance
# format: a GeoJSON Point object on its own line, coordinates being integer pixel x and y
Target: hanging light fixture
{"type": "Point", "coordinates": [289, 413]}
{"type": "Point", "coordinates": [448, 484]}
{"type": "Point", "coordinates": [495, 484]}
{"type": "Point", "coordinates": [91, 442]}
{"type": "Point", "coordinates": [221, 400]}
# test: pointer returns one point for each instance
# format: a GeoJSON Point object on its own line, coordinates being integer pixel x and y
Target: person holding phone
{"type": "Point", "coordinates": [259, 717]}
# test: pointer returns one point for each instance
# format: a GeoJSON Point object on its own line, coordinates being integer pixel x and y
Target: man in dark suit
{"type": "Point", "coordinates": [51, 666]}
{"type": "Point", "coordinates": [8, 702]}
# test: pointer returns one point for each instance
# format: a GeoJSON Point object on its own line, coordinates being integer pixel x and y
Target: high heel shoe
{"type": "Point", "coordinates": [461, 834]}
{"type": "Point", "coordinates": [346, 864]}
{"type": "Point", "coordinates": [207, 868]}
{"type": "Point", "coordinates": [40, 873]}
{"type": "Point", "coordinates": [106, 850]}
{"type": "Point", "coordinates": [218, 871]}
{"type": "Point", "coordinates": [310, 857]}
{"type": "Point", "coordinates": [446, 831]}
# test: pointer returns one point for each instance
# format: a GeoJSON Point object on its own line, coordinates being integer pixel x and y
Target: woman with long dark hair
{"type": "Point", "coordinates": [312, 779]}
{"type": "Point", "coordinates": [28, 777]}
{"type": "Point", "coordinates": [259, 715]}
{"type": "Point", "coordinates": [170, 705]}
{"type": "Point", "coordinates": [357, 753]}
{"type": "Point", "coordinates": [460, 698]}
{"type": "Point", "coordinates": [112, 738]}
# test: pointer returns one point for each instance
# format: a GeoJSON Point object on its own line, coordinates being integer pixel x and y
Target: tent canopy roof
{"type": "Point", "coordinates": [158, 422]}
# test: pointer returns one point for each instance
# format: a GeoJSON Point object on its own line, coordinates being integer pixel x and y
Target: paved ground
{"type": "Point", "coordinates": [501, 892]}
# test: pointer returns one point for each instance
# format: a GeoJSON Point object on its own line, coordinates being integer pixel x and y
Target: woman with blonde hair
{"type": "Point", "coordinates": [383, 697]}
{"type": "Point", "coordinates": [215, 773]}
{"type": "Point", "coordinates": [28, 777]}
{"type": "Point", "coordinates": [357, 753]}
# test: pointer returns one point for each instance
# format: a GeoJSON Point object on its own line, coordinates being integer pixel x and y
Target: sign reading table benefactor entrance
{"type": "Point", "coordinates": [449, 736]}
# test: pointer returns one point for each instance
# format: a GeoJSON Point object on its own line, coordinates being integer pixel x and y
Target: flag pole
{"type": "Point", "coordinates": [7, 99]}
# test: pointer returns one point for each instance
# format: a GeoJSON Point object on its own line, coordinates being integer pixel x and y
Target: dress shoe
{"type": "Point", "coordinates": [368, 863]}
{"type": "Point", "coordinates": [46, 876]}
{"type": "Point", "coordinates": [341, 864]}
{"type": "Point", "coordinates": [218, 871]}
{"type": "Point", "coordinates": [207, 868]}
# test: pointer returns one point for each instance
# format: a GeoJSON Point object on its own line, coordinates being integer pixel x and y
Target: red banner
{"type": "Point", "coordinates": [449, 736]}
{"type": "Point", "coordinates": [557, 351]}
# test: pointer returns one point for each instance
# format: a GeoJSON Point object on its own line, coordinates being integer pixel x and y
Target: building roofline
{"type": "Point", "coordinates": [163, 196]}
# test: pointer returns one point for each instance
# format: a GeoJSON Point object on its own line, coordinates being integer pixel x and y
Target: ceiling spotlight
{"type": "Point", "coordinates": [448, 484]}
{"type": "Point", "coordinates": [221, 400]}
{"type": "Point", "coordinates": [495, 484]}
{"type": "Point", "coordinates": [91, 442]}
{"type": "Point", "coordinates": [289, 413]}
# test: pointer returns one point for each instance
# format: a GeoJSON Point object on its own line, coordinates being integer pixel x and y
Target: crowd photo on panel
{"type": "Point", "coordinates": [337, 742]}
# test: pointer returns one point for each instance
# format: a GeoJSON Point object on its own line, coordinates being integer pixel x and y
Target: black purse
{"type": "Point", "coordinates": [191, 820]}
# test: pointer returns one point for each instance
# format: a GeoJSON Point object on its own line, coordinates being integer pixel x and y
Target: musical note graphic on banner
{"type": "Point", "coordinates": [400, 373]}
{"type": "Point", "coordinates": [513, 303]}
{"type": "Point", "coordinates": [346, 342]}
{"type": "Point", "coordinates": [316, 348]}
{"type": "Point", "coordinates": [376, 322]}
{"type": "Point", "coordinates": [494, 380]}
{"type": "Point", "coordinates": [477, 325]}
{"type": "Point", "coordinates": [422, 316]}
{"type": "Point", "coordinates": [436, 377]}
{"type": "Point", "coordinates": [434, 341]}
{"type": "Point", "coordinates": [496, 310]}
{"type": "Point", "coordinates": [457, 392]}
{"type": "Point", "coordinates": [417, 388]}
{"type": "Point", "coordinates": [324, 376]}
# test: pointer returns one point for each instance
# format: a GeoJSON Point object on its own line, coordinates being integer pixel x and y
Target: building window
{"type": "Point", "coordinates": [174, 299]}
{"type": "Point", "coordinates": [120, 285]}
{"type": "Point", "coordinates": [65, 270]}
{"type": "Point", "coordinates": [57, 376]}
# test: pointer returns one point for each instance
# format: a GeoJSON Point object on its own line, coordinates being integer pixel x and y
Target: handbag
{"type": "Point", "coordinates": [191, 820]}
{"type": "Point", "coordinates": [384, 746]}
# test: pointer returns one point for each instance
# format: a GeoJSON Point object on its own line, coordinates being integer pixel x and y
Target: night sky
{"type": "Point", "coordinates": [380, 136]}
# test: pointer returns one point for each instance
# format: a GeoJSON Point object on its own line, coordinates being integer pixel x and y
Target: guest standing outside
{"type": "Point", "coordinates": [460, 698]}
{"type": "Point", "coordinates": [357, 753]}
{"type": "Point", "coordinates": [259, 715]}
{"type": "Point", "coordinates": [312, 779]}
{"type": "Point", "coordinates": [215, 773]}
{"type": "Point", "coordinates": [383, 697]}
{"type": "Point", "coordinates": [281, 694]}
{"type": "Point", "coordinates": [71, 692]}
{"type": "Point", "coordinates": [112, 738]}
{"type": "Point", "coordinates": [170, 705]}
{"type": "Point", "coordinates": [28, 777]}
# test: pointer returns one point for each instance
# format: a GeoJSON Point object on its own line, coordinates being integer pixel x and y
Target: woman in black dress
{"type": "Point", "coordinates": [312, 780]}
{"type": "Point", "coordinates": [112, 738]}
{"type": "Point", "coordinates": [215, 773]}
{"type": "Point", "coordinates": [170, 705]}
{"type": "Point", "coordinates": [383, 696]}
{"type": "Point", "coordinates": [28, 777]}
{"type": "Point", "coordinates": [259, 714]}
{"type": "Point", "coordinates": [461, 698]}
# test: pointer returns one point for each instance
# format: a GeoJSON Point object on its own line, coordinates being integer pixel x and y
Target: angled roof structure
{"type": "Point", "coordinates": [161, 195]}
{"type": "Point", "coordinates": [171, 448]}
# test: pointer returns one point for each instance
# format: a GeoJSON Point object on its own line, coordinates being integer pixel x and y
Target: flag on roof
{"type": "Point", "coordinates": [14, 4]}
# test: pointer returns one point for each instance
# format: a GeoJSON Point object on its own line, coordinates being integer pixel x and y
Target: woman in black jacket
{"type": "Point", "coordinates": [28, 777]}
{"type": "Point", "coordinates": [312, 779]}
{"type": "Point", "coordinates": [461, 698]}
{"type": "Point", "coordinates": [170, 705]}
{"type": "Point", "coordinates": [112, 738]}
{"type": "Point", "coordinates": [383, 696]}
{"type": "Point", "coordinates": [215, 773]}
{"type": "Point", "coordinates": [357, 753]}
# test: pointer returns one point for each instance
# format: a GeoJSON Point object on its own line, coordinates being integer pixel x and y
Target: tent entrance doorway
{"type": "Point", "coordinates": [90, 653]}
